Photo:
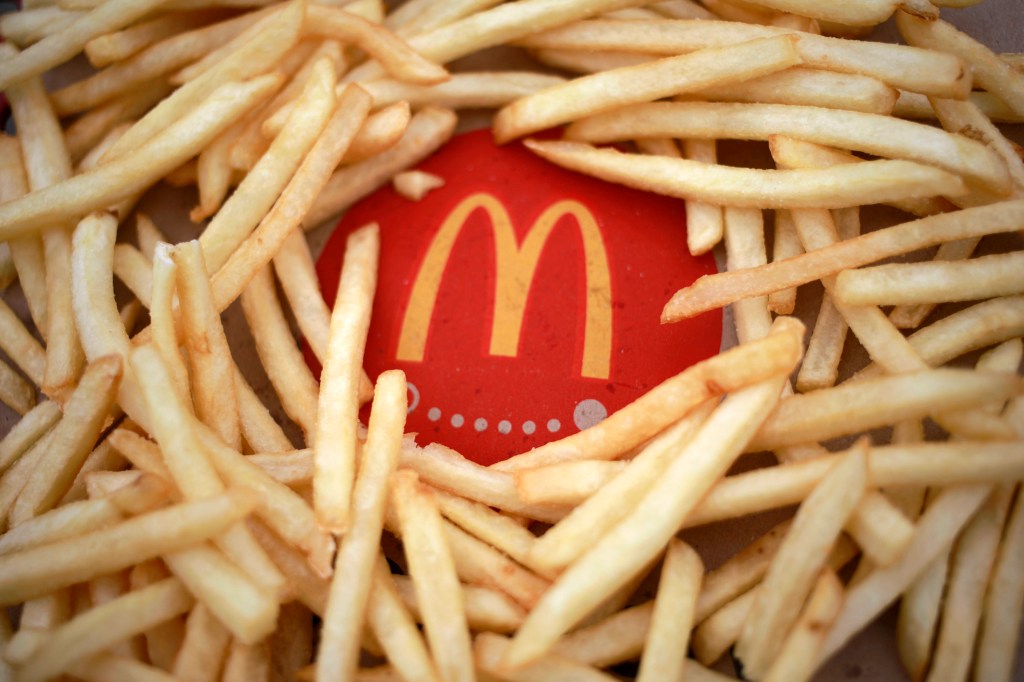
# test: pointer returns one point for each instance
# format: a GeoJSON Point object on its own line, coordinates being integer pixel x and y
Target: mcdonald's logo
{"type": "Point", "coordinates": [521, 299]}
{"type": "Point", "coordinates": [515, 266]}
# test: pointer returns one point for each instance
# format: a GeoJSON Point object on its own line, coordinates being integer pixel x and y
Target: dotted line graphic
{"type": "Point", "coordinates": [587, 413]}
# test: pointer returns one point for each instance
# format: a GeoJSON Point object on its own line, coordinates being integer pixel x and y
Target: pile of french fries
{"type": "Point", "coordinates": [165, 520]}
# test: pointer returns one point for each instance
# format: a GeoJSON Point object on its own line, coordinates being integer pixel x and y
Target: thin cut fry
{"type": "Point", "coordinates": [433, 573]}
{"type": "Point", "coordinates": [1003, 603]}
{"type": "Point", "coordinates": [344, 619]}
{"type": "Point", "coordinates": [592, 94]}
{"type": "Point", "coordinates": [116, 181]}
{"type": "Point", "coordinates": [795, 660]}
{"type": "Point", "coordinates": [669, 631]}
{"type": "Point", "coordinates": [337, 415]}
{"type": "Point", "coordinates": [881, 180]}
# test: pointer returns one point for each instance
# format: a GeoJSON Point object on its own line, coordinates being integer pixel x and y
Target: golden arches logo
{"type": "Point", "coordinates": [516, 265]}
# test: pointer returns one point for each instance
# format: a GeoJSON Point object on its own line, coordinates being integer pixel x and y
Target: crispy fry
{"type": "Point", "coordinates": [337, 418]}
{"type": "Point", "coordinates": [589, 95]}
{"type": "Point", "coordinates": [344, 619]}
{"type": "Point", "coordinates": [116, 181]}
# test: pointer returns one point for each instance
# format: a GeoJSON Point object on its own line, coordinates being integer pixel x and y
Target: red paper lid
{"type": "Point", "coordinates": [522, 300]}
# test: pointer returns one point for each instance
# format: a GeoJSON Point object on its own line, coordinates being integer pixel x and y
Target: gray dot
{"type": "Point", "coordinates": [458, 420]}
{"type": "Point", "coordinates": [529, 427]}
{"type": "Point", "coordinates": [480, 424]}
{"type": "Point", "coordinates": [588, 412]}
{"type": "Point", "coordinates": [504, 426]}
{"type": "Point", "coordinates": [554, 425]}
{"type": "Point", "coordinates": [433, 414]}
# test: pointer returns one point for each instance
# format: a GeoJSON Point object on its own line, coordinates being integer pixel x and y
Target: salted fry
{"type": "Point", "coordinates": [344, 618]}
{"type": "Point", "coordinates": [29, 429]}
{"type": "Point", "coordinates": [990, 72]}
{"type": "Point", "coordinates": [62, 45]}
{"type": "Point", "coordinates": [104, 625]}
{"type": "Point", "coordinates": [42, 569]}
{"type": "Point", "coordinates": [205, 647]}
{"type": "Point", "coordinates": [566, 482]}
{"type": "Point", "coordinates": [212, 369]}
{"type": "Point", "coordinates": [795, 660]}
{"type": "Point", "coordinates": [119, 180]}
{"type": "Point", "coordinates": [908, 68]}
{"type": "Point", "coordinates": [852, 253]}
{"type": "Point", "coordinates": [72, 439]}
{"type": "Point", "coordinates": [669, 631]}
{"type": "Point", "coordinates": [933, 282]}
{"type": "Point", "coordinates": [838, 187]}
{"type": "Point", "coordinates": [337, 418]}
{"type": "Point", "coordinates": [432, 568]}
{"type": "Point", "coordinates": [870, 133]}
{"type": "Point", "coordinates": [463, 90]}
{"type": "Point", "coordinates": [278, 352]}
{"type": "Point", "coordinates": [800, 557]}
{"type": "Point", "coordinates": [643, 83]}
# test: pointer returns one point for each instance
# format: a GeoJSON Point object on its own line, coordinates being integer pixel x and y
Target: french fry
{"type": "Point", "coordinates": [143, 495]}
{"type": "Point", "coordinates": [432, 568]}
{"type": "Point", "coordinates": [718, 632]}
{"type": "Point", "coordinates": [852, 253]}
{"type": "Point", "coordinates": [485, 89]}
{"type": "Point", "coordinates": [204, 648]}
{"type": "Point", "coordinates": [104, 625]}
{"type": "Point", "coordinates": [344, 619]}
{"type": "Point", "coordinates": [394, 627]}
{"type": "Point", "coordinates": [580, 529]}
{"type": "Point", "coordinates": [398, 58]}
{"type": "Point", "coordinates": [336, 420]}
{"type": "Point", "coordinates": [29, 429]}
{"type": "Point", "coordinates": [913, 69]}
{"type": "Point", "coordinates": [803, 552]}
{"type": "Point", "coordinates": [62, 45]}
{"type": "Point", "coordinates": [32, 25]}
{"type": "Point", "coordinates": [566, 482]}
{"type": "Point", "coordinates": [414, 185]}
{"type": "Point", "coordinates": [247, 662]}
{"type": "Point", "coordinates": [116, 181]}
{"type": "Point", "coordinates": [494, 528]}
{"type": "Point", "coordinates": [643, 83]}
{"type": "Point", "coordinates": [446, 469]}
{"type": "Point", "coordinates": [15, 392]}
{"type": "Point", "coordinates": [296, 201]}
{"type": "Point", "coordinates": [990, 72]}
{"type": "Point", "coordinates": [194, 475]}
{"type": "Point", "coordinates": [933, 282]}
{"type": "Point", "coordinates": [72, 439]}
{"type": "Point", "coordinates": [837, 187]}
{"type": "Point", "coordinates": [381, 130]}
{"type": "Point", "coordinates": [135, 271]}
{"type": "Point", "coordinates": [795, 660]}
{"type": "Point", "coordinates": [490, 648]}
{"type": "Point", "coordinates": [115, 46]}
{"type": "Point", "coordinates": [672, 617]}
{"type": "Point", "coordinates": [42, 569]}
{"type": "Point", "coordinates": [26, 252]}
{"type": "Point", "coordinates": [970, 566]}
{"type": "Point", "coordinates": [251, 200]}
{"type": "Point", "coordinates": [247, 609]}
{"type": "Point", "coordinates": [47, 163]}
{"type": "Point", "coordinates": [281, 358]}
{"type": "Point", "coordinates": [1003, 599]}
{"type": "Point", "coordinates": [212, 369]}
{"type": "Point", "coordinates": [935, 531]}
{"type": "Point", "coordinates": [487, 609]}
{"type": "Point", "coordinates": [279, 31]}
{"type": "Point", "coordinates": [152, 63]}
{"type": "Point", "coordinates": [745, 248]}
{"type": "Point", "coordinates": [858, 131]}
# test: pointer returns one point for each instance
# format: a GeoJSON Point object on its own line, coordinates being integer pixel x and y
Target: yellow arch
{"type": "Point", "coordinates": [516, 266]}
